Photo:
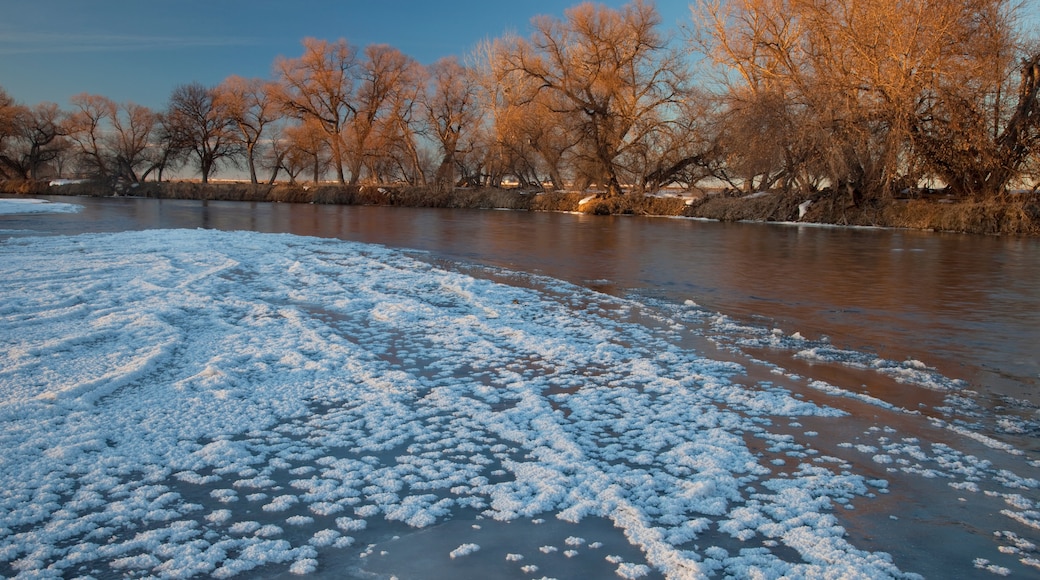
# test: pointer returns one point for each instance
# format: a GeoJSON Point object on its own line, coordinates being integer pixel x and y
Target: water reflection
{"type": "Point", "coordinates": [968, 305]}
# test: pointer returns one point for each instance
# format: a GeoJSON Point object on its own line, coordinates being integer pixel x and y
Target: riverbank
{"type": "Point", "coordinates": [1015, 215]}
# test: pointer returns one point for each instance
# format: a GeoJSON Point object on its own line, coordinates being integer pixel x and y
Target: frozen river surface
{"type": "Point", "coordinates": [201, 402]}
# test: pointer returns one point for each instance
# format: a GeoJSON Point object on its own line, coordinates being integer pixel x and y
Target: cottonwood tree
{"type": "Point", "coordinates": [9, 113]}
{"type": "Point", "coordinates": [12, 117]}
{"type": "Point", "coordinates": [527, 134]}
{"type": "Point", "coordinates": [615, 74]}
{"type": "Point", "coordinates": [755, 124]}
{"type": "Point", "coordinates": [980, 135]}
{"type": "Point", "coordinates": [131, 140]}
{"type": "Point", "coordinates": [680, 151]}
{"type": "Point", "coordinates": [304, 146]}
{"type": "Point", "coordinates": [872, 63]}
{"type": "Point", "coordinates": [273, 156]}
{"type": "Point", "coordinates": [452, 114]}
{"type": "Point", "coordinates": [40, 139]}
{"type": "Point", "coordinates": [110, 139]}
{"type": "Point", "coordinates": [495, 85]}
{"type": "Point", "coordinates": [252, 106]}
{"type": "Point", "coordinates": [384, 75]}
{"type": "Point", "coordinates": [199, 123]}
{"type": "Point", "coordinates": [539, 138]}
{"type": "Point", "coordinates": [317, 88]}
{"type": "Point", "coordinates": [869, 94]}
{"type": "Point", "coordinates": [169, 149]}
{"type": "Point", "coordinates": [397, 148]}
{"type": "Point", "coordinates": [86, 127]}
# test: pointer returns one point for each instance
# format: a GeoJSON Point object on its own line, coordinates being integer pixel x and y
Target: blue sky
{"type": "Point", "coordinates": [139, 50]}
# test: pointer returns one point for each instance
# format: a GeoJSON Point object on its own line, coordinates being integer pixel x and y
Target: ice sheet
{"type": "Point", "coordinates": [180, 403]}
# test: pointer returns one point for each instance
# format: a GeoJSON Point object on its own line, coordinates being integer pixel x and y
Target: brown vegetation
{"type": "Point", "coordinates": [873, 98]}
{"type": "Point", "coordinates": [1004, 217]}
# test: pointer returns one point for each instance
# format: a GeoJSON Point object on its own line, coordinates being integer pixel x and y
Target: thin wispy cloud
{"type": "Point", "coordinates": [21, 43]}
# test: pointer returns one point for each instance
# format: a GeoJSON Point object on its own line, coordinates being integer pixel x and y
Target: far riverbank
{"type": "Point", "coordinates": [1017, 214]}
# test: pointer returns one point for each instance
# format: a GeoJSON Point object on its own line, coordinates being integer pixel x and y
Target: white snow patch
{"type": "Point", "coordinates": [463, 550]}
{"type": "Point", "coordinates": [10, 206]}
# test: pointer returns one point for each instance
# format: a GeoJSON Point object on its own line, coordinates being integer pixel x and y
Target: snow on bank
{"type": "Point", "coordinates": [199, 403]}
{"type": "Point", "coordinates": [10, 206]}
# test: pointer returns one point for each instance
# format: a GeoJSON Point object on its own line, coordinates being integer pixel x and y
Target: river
{"type": "Point", "coordinates": [967, 305]}
{"type": "Point", "coordinates": [946, 326]}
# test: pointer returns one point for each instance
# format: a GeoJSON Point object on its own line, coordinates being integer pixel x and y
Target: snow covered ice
{"type": "Point", "coordinates": [28, 205]}
{"type": "Point", "coordinates": [182, 403]}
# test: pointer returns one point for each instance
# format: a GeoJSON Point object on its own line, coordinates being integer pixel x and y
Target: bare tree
{"type": "Point", "coordinates": [131, 140]}
{"type": "Point", "coordinates": [450, 104]}
{"type": "Point", "coordinates": [251, 104]}
{"type": "Point", "coordinates": [383, 76]}
{"type": "Point", "coordinates": [615, 74]}
{"type": "Point", "coordinates": [528, 135]}
{"type": "Point", "coordinates": [12, 116]}
{"type": "Point", "coordinates": [983, 127]}
{"type": "Point", "coordinates": [110, 139]}
{"type": "Point", "coordinates": [318, 88]}
{"type": "Point", "coordinates": [198, 120]}
{"type": "Point", "coordinates": [870, 96]}
{"type": "Point", "coordinates": [396, 148]}
{"type": "Point", "coordinates": [273, 155]}
{"type": "Point", "coordinates": [40, 140]}
{"type": "Point", "coordinates": [304, 147]}
{"type": "Point", "coordinates": [9, 113]}
{"type": "Point", "coordinates": [86, 128]}
{"type": "Point", "coordinates": [680, 151]}
{"type": "Point", "coordinates": [169, 148]}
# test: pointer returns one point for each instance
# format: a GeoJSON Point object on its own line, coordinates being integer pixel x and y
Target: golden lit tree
{"type": "Point", "coordinates": [613, 73]}
{"type": "Point", "coordinates": [110, 139]}
{"type": "Point", "coordinates": [452, 114]}
{"type": "Point", "coordinates": [383, 76]}
{"type": "Point", "coordinates": [871, 97]}
{"type": "Point", "coordinates": [12, 118]}
{"type": "Point", "coordinates": [317, 88]}
{"type": "Point", "coordinates": [252, 106]}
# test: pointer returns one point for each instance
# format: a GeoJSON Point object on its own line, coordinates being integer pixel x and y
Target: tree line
{"type": "Point", "coordinates": [866, 100]}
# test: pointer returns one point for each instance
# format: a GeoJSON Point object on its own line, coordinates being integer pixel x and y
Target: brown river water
{"type": "Point", "coordinates": [933, 338]}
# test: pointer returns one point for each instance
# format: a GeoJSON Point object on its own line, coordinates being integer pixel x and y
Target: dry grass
{"type": "Point", "coordinates": [1016, 216]}
{"type": "Point", "coordinates": [491, 198]}
{"type": "Point", "coordinates": [1019, 216]}
{"type": "Point", "coordinates": [24, 187]}
{"type": "Point", "coordinates": [558, 201]}
{"type": "Point", "coordinates": [635, 205]}
{"type": "Point", "coordinates": [760, 208]}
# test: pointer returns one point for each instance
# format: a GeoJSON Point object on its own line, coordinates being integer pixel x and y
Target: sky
{"type": "Point", "coordinates": [134, 50]}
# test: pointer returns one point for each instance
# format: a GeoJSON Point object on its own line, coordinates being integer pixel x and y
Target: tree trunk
{"type": "Point", "coordinates": [556, 178]}
{"type": "Point", "coordinates": [205, 166]}
{"type": "Point", "coordinates": [337, 159]}
{"type": "Point", "coordinates": [252, 164]}
{"type": "Point", "coordinates": [613, 185]}
{"type": "Point", "coordinates": [1019, 137]}
{"type": "Point", "coordinates": [445, 176]}
{"type": "Point", "coordinates": [355, 170]}
{"type": "Point", "coordinates": [413, 152]}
